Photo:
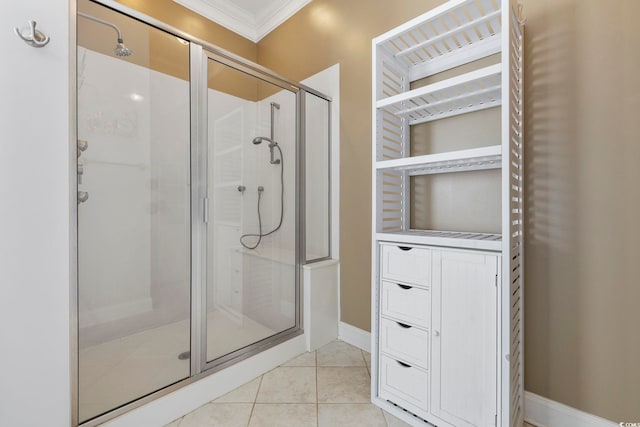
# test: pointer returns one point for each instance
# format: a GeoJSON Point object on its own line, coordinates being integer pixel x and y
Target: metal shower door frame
{"type": "Point", "coordinates": [200, 58]}
{"type": "Point", "coordinates": [200, 51]}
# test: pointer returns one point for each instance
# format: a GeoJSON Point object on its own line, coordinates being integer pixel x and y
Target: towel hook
{"type": "Point", "coordinates": [34, 37]}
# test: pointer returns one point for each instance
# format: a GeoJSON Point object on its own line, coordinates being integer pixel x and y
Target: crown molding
{"type": "Point", "coordinates": [253, 26]}
{"type": "Point", "coordinates": [276, 14]}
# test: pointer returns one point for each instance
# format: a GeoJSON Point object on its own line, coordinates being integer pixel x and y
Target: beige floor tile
{"type": "Point", "coordinates": [174, 423]}
{"type": "Point", "coordinates": [219, 414]}
{"type": "Point", "coordinates": [244, 394]}
{"type": "Point", "coordinates": [343, 385]}
{"type": "Point", "coordinates": [283, 415]}
{"type": "Point", "coordinates": [305, 359]}
{"type": "Point", "coordinates": [394, 421]}
{"type": "Point", "coordinates": [288, 385]}
{"type": "Point", "coordinates": [528, 425]}
{"type": "Point", "coordinates": [339, 353]}
{"type": "Point", "coordinates": [350, 415]}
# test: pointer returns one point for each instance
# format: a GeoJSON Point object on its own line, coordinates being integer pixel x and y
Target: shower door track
{"type": "Point", "coordinates": [200, 50]}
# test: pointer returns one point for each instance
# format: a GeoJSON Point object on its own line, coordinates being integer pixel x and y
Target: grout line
{"type": "Point", "coordinates": [255, 398]}
{"type": "Point", "coordinates": [364, 359]}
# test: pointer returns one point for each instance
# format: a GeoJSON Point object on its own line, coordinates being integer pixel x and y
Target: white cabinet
{"type": "Point", "coordinates": [447, 274]}
{"type": "Point", "coordinates": [464, 322]}
{"type": "Point", "coordinates": [437, 346]}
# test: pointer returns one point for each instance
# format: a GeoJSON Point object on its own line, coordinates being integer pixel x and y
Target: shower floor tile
{"type": "Point", "coordinates": [119, 371]}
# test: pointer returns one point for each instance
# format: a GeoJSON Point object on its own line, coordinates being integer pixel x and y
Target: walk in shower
{"type": "Point", "coordinates": [191, 209]}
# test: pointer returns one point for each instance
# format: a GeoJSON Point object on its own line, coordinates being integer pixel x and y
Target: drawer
{"type": "Point", "coordinates": [404, 385]}
{"type": "Point", "coordinates": [406, 264]}
{"type": "Point", "coordinates": [406, 304]}
{"type": "Point", "coordinates": [404, 342]}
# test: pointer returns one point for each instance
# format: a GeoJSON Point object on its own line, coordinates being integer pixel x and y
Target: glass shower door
{"type": "Point", "coordinates": [133, 211]}
{"type": "Point", "coordinates": [251, 229]}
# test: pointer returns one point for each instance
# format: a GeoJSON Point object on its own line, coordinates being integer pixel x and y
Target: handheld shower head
{"type": "Point", "coordinates": [272, 144]}
{"type": "Point", "coordinates": [258, 140]}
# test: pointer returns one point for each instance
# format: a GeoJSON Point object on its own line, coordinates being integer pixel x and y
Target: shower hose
{"type": "Point", "coordinates": [260, 235]}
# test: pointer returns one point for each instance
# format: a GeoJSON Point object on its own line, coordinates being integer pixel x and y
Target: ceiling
{"type": "Point", "coordinates": [252, 19]}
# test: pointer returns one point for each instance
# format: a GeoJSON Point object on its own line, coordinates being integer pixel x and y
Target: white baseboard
{"type": "Point", "coordinates": [355, 336]}
{"type": "Point", "coordinates": [543, 412]}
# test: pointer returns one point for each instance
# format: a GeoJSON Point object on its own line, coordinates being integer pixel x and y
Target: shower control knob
{"type": "Point", "coordinates": [82, 146]}
{"type": "Point", "coordinates": [83, 196]}
{"type": "Point", "coordinates": [241, 188]}
{"type": "Point", "coordinates": [260, 189]}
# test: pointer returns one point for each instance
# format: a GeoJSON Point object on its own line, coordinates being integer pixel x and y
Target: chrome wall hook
{"type": "Point", "coordinates": [31, 36]}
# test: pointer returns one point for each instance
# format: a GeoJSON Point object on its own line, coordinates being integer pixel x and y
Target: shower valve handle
{"type": "Point", "coordinates": [82, 146]}
{"type": "Point", "coordinates": [83, 196]}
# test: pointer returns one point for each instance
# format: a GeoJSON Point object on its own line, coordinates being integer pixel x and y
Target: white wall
{"type": "Point", "coordinates": [114, 224]}
{"type": "Point", "coordinates": [263, 288]}
{"type": "Point", "coordinates": [133, 231]}
{"type": "Point", "coordinates": [34, 218]}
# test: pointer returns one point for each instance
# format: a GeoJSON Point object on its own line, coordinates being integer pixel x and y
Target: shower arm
{"type": "Point", "coordinates": [103, 22]}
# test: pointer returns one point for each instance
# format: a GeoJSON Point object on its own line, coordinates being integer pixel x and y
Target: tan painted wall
{"type": "Point", "coordinates": [583, 200]}
{"type": "Point", "coordinates": [583, 204]}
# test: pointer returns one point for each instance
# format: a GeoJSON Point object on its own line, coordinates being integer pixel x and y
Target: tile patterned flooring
{"type": "Point", "coordinates": [325, 388]}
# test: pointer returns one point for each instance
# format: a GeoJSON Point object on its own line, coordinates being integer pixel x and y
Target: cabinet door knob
{"type": "Point", "coordinates": [436, 333]}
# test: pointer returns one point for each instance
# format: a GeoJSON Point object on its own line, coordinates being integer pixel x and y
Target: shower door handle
{"type": "Point", "coordinates": [80, 173]}
{"type": "Point", "coordinates": [205, 210]}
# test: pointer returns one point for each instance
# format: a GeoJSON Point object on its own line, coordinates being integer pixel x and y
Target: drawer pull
{"type": "Point", "coordinates": [405, 248]}
{"type": "Point", "coordinates": [405, 287]}
{"type": "Point", "coordinates": [403, 325]}
{"type": "Point", "coordinates": [404, 365]}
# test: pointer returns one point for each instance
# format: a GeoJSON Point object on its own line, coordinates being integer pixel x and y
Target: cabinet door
{"type": "Point", "coordinates": [464, 337]}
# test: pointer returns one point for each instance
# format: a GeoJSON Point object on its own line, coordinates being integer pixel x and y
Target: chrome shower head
{"type": "Point", "coordinates": [121, 49]}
